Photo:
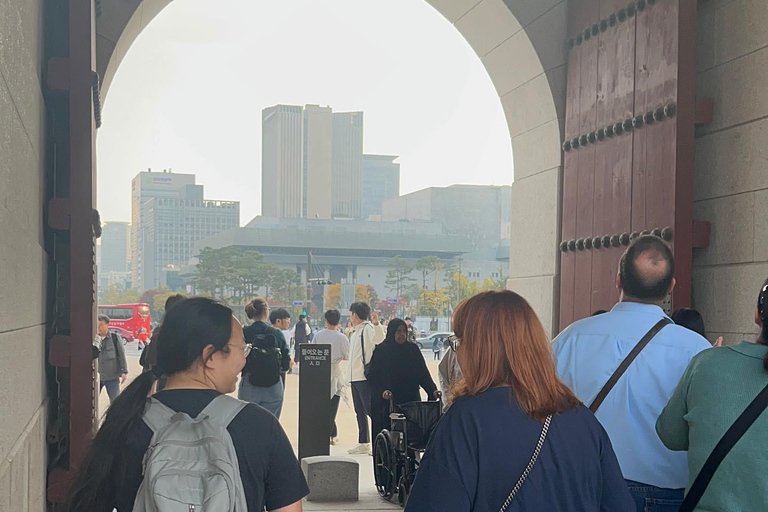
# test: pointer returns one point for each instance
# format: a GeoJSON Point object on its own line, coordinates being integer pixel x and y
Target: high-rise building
{"type": "Point", "coordinates": [318, 162]}
{"type": "Point", "coordinates": [481, 213]}
{"type": "Point", "coordinates": [347, 194]}
{"type": "Point", "coordinates": [312, 162]}
{"type": "Point", "coordinates": [169, 216]}
{"type": "Point", "coordinates": [282, 159]}
{"type": "Point", "coordinates": [114, 247]}
{"type": "Point", "coordinates": [381, 181]}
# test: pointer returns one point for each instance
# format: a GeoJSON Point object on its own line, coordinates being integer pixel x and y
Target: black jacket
{"type": "Point", "coordinates": [400, 369]}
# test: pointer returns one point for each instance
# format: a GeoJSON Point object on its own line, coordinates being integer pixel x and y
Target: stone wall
{"type": "Point", "coordinates": [731, 171]}
{"type": "Point", "coordinates": [22, 258]}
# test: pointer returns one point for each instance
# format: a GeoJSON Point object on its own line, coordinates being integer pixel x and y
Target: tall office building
{"type": "Point", "coordinates": [115, 238]}
{"type": "Point", "coordinates": [347, 195]}
{"type": "Point", "coordinates": [282, 159]}
{"type": "Point", "coordinates": [381, 181]}
{"type": "Point", "coordinates": [312, 161]}
{"type": "Point", "coordinates": [169, 215]}
{"type": "Point", "coordinates": [318, 162]}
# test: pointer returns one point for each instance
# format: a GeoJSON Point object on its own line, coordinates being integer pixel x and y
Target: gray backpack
{"type": "Point", "coordinates": [191, 464]}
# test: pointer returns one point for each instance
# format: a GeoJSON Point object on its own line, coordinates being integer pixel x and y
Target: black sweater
{"type": "Point", "coordinates": [400, 369]}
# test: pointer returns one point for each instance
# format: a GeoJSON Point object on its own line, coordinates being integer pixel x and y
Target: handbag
{"type": "Point", "coordinates": [528, 468]}
{"type": "Point", "coordinates": [728, 441]}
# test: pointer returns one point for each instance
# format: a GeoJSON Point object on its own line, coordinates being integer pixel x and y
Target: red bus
{"type": "Point", "coordinates": [132, 320]}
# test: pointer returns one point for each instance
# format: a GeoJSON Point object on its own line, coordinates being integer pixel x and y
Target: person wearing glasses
{"type": "Point", "coordinates": [514, 431]}
{"type": "Point", "coordinates": [262, 383]}
{"type": "Point", "coordinates": [201, 350]}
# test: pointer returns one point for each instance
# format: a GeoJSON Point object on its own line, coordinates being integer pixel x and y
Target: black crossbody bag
{"type": "Point", "coordinates": [728, 441]}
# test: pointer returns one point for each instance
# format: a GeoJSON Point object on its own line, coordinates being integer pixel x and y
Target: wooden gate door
{"type": "Point", "coordinates": [628, 150]}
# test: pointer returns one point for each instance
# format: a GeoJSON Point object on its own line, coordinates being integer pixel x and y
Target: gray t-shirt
{"type": "Point", "coordinates": [337, 340]}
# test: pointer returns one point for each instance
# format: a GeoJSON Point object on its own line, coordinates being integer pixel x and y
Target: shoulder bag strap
{"type": "Point", "coordinates": [362, 342]}
{"type": "Point", "coordinates": [528, 468]}
{"type": "Point", "coordinates": [156, 414]}
{"type": "Point", "coordinates": [626, 362]}
{"type": "Point", "coordinates": [731, 437]}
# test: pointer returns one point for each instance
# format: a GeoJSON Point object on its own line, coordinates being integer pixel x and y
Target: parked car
{"type": "Point", "coordinates": [123, 333]}
{"type": "Point", "coordinates": [427, 341]}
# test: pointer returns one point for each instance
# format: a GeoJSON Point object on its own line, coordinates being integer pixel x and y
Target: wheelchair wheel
{"type": "Point", "coordinates": [403, 490]}
{"type": "Point", "coordinates": [385, 464]}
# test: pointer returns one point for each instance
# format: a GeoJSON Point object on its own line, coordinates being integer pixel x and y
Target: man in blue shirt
{"type": "Point", "coordinates": [590, 350]}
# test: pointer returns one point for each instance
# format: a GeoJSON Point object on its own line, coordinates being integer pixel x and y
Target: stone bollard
{"type": "Point", "coordinates": [332, 478]}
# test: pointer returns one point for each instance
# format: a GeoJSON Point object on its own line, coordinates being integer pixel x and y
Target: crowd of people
{"type": "Point", "coordinates": [624, 411]}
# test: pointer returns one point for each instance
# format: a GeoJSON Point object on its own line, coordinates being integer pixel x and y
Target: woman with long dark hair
{"type": "Point", "coordinates": [397, 366]}
{"type": "Point", "coordinates": [201, 349]}
{"type": "Point", "coordinates": [715, 389]}
{"type": "Point", "coordinates": [515, 432]}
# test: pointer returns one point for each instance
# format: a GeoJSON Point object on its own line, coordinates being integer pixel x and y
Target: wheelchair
{"type": "Point", "coordinates": [397, 451]}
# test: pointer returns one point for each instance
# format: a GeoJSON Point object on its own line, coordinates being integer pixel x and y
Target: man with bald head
{"type": "Point", "coordinates": [589, 351]}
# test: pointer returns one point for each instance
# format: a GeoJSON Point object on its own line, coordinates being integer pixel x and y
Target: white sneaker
{"type": "Point", "coordinates": [361, 449]}
{"type": "Point", "coordinates": [334, 440]}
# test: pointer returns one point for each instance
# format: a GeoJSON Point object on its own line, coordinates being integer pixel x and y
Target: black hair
{"type": "Point", "coordinates": [256, 308]}
{"type": "Point", "coordinates": [408, 318]}
{"type": "Point", "coordinates": [302, 317]}
{"type": "Point", "coordinates": [333, 317]}
{"type": "Point", "coordinates": [189, 327]}
{"type": "Point", "coordinates": [637, 285]}
{"type": "Point", "coordinates": [762, 312]}
{"type": "Point", "coordinates": [103, 318]}
{"type": "Point", "coordinates": [361, 309]}
{"type": "Point", "coordinates": [278, 314]}
{"type": "Point", "coordinates": [690, 319]}
{"type": "Point", "coordinates": [173, 300]}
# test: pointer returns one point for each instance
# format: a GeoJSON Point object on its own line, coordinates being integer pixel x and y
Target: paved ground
{"type": "Point", "coordinates": [369, 499]}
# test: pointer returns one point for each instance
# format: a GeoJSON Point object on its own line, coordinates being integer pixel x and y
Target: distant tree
{"type": "Point", "coordinates": [149, 297]}
{"type": "Point", "coordinates": [333, 296]}
{"type": "Point", "coordinates": [113, 295]}
{"type": "Point", "coordinates": [398, 275]}
{"type": "Point", "coordinates": [427, 265]}
{"type": "Point", "coordinates": [499, 283]}
{"type": "Point", "coordinates": [433, 304]}
{"type": "Point", "coordinates": [374, 296]}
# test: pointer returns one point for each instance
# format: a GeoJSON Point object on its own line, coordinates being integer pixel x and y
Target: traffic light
{"type": "Point", "coordinates": [304, 312]}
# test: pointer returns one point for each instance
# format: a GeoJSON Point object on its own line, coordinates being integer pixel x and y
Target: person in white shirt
{"type": "Point", "coordinates": [339, 343]}
{"type": "Point", "coordinates": [362, 342]}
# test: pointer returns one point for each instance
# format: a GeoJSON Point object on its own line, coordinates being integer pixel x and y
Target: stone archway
{"type": "Point", "coordinates": [522, 46]}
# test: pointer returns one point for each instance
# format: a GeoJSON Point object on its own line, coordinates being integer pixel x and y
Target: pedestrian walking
{"type": "Point", "coordinates": [261, 383]}
{"type": "Point", "coordinates": [514, 431]}
{"type": "Point", "coordinates": [339, 343]}
{"type": "Point", "coordinates": [113, 366]}
{"type": "Point", "coordinates": [637, 336]}
{"type": "Point", "coordinates": [715, 390]}
{"type": "Point", "coordinates": [281, 320]}
{"type": "Point", "coordinates": [437, 348]}
{"type": "Point", "coordinates": [366, 334]}
{"type": "Point", "coordinates": [301, 332]}
{"type": "Point", "coordinates": [246, 459]}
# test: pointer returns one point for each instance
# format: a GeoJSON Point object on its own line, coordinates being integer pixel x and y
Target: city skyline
{"type": "Point", "coordinates": [425, 94]}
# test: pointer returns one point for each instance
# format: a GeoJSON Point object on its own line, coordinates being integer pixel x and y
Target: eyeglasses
{"type": "Point", "coordinates": [454, 342]}
{"type": "Point", "coordinates": [246, 348]}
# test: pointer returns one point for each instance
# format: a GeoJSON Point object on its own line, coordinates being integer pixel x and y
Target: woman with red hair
{"type": "Point", "coordinates": [515, 433]}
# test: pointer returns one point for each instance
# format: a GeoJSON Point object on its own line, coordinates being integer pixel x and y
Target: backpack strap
{"type": "Point", "coordinates": [223, 409]}
{"type": "Point", "coordinates": [157, 415]}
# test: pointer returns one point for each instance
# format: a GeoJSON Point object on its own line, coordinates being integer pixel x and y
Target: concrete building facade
{"type": "Point", "coordinates": [481, 213]}
{"type": "Point", "coordinates": [347, 193]}
{"type": "Point", "coordinates": [318, 162]}
{"type": "Point", "coordinates": [115, 243]}
{"type": "Point", "coordinates": [522, 46]}
{"type": "Point", "coordinates": [282, 159]}
{"type": "Point", "coordinates": [381, 181]}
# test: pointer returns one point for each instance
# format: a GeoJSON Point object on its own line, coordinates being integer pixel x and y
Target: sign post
{"type": "Point", "coordinates": [314, 400]}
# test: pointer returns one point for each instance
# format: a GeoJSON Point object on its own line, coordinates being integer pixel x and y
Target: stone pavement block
{"type": "Point", "coordinates": [332, 478]}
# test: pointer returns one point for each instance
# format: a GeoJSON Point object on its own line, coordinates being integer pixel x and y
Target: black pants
{"type": "Point", "coordinates": [361, 398]}
{"type": "Point", "coordinates": [334, 410]}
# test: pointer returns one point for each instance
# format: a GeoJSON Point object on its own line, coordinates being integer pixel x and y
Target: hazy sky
{"type": "Point", "coordinates": [189, 94]}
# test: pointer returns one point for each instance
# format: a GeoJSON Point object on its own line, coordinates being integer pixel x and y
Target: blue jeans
{"type": "Point", "coordinates": [655, 499]}
{"type": "Point", "coordinates": [270, 398]}
{"type": "Point", "coordinates": [113, 388]}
